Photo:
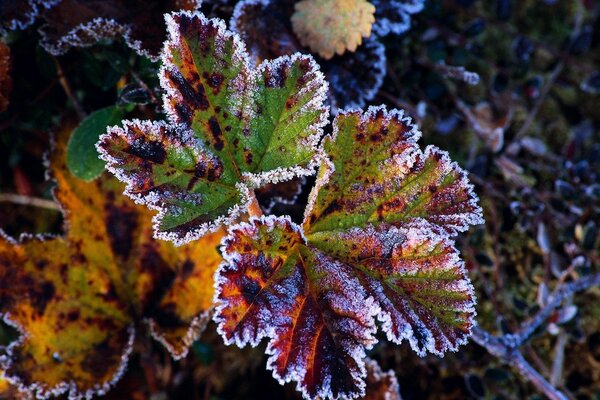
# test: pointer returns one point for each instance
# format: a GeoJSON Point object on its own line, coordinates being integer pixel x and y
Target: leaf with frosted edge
{"type": "Point", "coordinates": [378, 232]}
{"type": "Point", "coordinates": [20, 14]}
{"type": "Point", "coordinates": [394, 16]}
{"type": "Point", "coordinates": [330, 27]}
{"type": "Point", "coordinates": [82, 23]}
{"type": "Point", "coordinates": [76, 298]}
{"type": "Point", "coordinates": [376, 173]}
{"type": "Point", "coordinates": [312, 308]}
{"type": "Point", "coordinates": [232, 128]}
{"type": "Point", "coordinates": [354, 77]}
{"type": "Point", "coordinates": [317, 302]}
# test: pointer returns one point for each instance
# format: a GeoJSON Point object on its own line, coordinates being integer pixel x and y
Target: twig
{"type": "Point", "coordinates": [538, 105]}
{"type": "Point", "coordinates": [64, 83]}
{"type": "Point", "coordinates": [514, 358]}
{"type": "Point", "coordinates": [560, 294]}
{"type": "Point", "coordinates": [506, 347]}
{"type": "Point", "coordinates": [28, 201]}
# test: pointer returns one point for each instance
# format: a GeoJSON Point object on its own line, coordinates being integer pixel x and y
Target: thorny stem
{"type": "Point", "coordinates": [506, 347]}
{"type": "Point", "coordinates": [28, 201]}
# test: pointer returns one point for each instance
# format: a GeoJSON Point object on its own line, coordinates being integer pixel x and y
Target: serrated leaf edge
{"type": "Point", "coordinates": [241, 55]}
{"type": "Point", "coordinates": [69, 387]}
{"type": "Point", "coordinates": [359, 353]}
{"type": "Point", "coordinates": [195, 329]}
{"type": "Point", "coordinates": [98, 28]}
{"type": "Point", "coordinates": [16, 24]}
{"type": "Point", "coordinates": [415, 135]}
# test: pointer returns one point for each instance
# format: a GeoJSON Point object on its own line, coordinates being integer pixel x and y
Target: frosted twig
{"type": "Point", "coordinates": [512, 356]}
{"type": "Point", "coordinates": [506, 347]}
{"type": "Point", "coordinates": [560, 294]}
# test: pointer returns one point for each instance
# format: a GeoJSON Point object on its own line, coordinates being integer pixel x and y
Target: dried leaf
{"type": "Point", "coordinates": [375, 243]}
{"type": "Point", "coordinates": [81, 23]}
{"type": "Point", "coordinates": [354, 78]}
{"type": "Point", "coordinates": [381, 385]}
{"type": "Point", "coordinates": [5, 76]}
{"type": "Point", "coordinates": [19, 14]}
{"type": "Point", "coordinates": [233, 128]}
{"type": "Point", "coordinates": [331, 27]}
{"type": "Point", "coordinates": [76, 298]}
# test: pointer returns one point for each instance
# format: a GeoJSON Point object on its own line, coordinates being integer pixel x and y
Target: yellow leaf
{"type": "Point", "coordinates": [78, 299]}
{"type": "Point", "coordinates": [333, 26]}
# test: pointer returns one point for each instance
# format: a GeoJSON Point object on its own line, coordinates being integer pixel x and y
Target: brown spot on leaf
{"type": "Point", "coordinates": [214, 80]}
{"type": "Point", "coordinates": [249, 288]}
{"type": "Point", "coordinates": [153, 151]}
{"type": "Point", "coordinates": [217, 134]}
{"type": "Point", "coordinates": [195, 97]}
{"type": "Point", "coordinates": [40, 298]}
{"type": "Point", "coordinates": [121, 225]}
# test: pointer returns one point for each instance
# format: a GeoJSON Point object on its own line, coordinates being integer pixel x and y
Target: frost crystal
{"type": "Point", "coordinates": [376, 243]}
{"type": "Point", "coordinates": [393, 16]}
{"type": "Point", "coordinates": [232, 128]}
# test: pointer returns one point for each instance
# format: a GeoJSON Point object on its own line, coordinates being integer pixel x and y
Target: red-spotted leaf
{"type": "Point", "coordinates": [232, 128]}
{"type": "Point", "coordinates": [375, 245]}
{"type": "Point", "coordinates": [377, 173]}
{"type": "Point", "coordinates": [81, 23]}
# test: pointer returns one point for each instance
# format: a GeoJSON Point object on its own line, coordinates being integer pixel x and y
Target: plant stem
{"type": "Point", "coordinates": [254, 209]}
{"type": "Point", "coordinates": [28, 201]}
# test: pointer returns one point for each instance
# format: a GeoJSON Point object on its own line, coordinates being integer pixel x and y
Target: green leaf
{"type": "Point", "coordinates": [376, 244]}
{"type": "Point", "coordinates": [232, 128]}
{"type": "Point", "coordinates": [82, 157]}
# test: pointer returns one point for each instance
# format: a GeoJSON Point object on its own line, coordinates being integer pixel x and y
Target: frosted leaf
{"type": "Point", "coordinates": [393, 16]}
{"type": "Point", "coordinates": [331, 27]}
{"type": "Point", "coordinates": [313, 310]}
{"type": "Point", "coordinates": [355, 77]}
{"type": "Point", "coordinates": [76, 298]}
{"type": "Point", "coordinates": [80, 23]}
{"type": "Point", "coordinates": [315, 297]}
{"type": "Point", "coordinates": [378, 174]}
{"type": "Point", "coordinates": [232, 128]}
{"type": "Point", "coordinates": [22, 13]}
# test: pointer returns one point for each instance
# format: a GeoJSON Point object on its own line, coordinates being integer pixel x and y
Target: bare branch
{"type": "Point", "coordinates": [506, 347]}
{"type": "Point", "coordinates": [28, 201]}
